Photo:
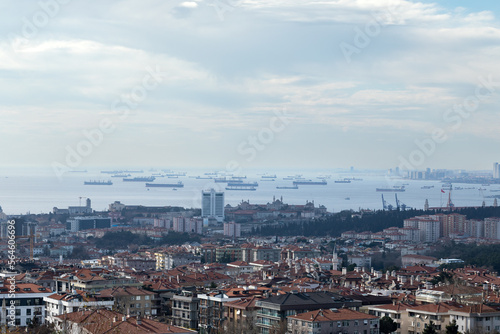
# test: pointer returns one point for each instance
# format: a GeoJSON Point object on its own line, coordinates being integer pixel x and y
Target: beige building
{"type": "Point", "coordinates": [328, 321]}
{"type": "Point", "coordinates": [133, 301]}
{"type": "Point", "coordinates": [396, 312]}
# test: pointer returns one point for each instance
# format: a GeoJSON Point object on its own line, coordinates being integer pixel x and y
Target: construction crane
{"type": "Point", "coordinates": [31, 236]}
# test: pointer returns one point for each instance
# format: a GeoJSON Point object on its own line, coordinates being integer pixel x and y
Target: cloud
{"type": "Point", "coordinates": [223, 78]}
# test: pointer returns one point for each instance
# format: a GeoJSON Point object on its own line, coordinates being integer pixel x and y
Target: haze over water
{"type": "Point", "coordinates": [39, 190]}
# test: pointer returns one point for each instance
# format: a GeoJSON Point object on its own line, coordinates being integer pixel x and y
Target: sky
{"type": "Point", "coordinates": [250, 84]}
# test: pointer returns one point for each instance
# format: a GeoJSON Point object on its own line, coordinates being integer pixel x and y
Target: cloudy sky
{"type": "Point", "coordinates": [282, 83]}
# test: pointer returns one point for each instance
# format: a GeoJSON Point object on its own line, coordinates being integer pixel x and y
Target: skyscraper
{"type": "Point", "coordinates": [496, 170]}
{"type": "Point", "coordinates": [212, 205]}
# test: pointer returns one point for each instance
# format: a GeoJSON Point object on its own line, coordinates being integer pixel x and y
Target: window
{"type": "Point", "coordinates": [138, 305]}
{"type": "Point", "coordinates": [28, 311]}
{"type": "Point", "coordinates": [138, 298]}
{"type": "Point", "coordinates": [356, 323]}
{"type": "Point", "coordinates": [146, 297]}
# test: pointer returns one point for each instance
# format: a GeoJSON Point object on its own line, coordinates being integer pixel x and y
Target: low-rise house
{"type": "Point", "coordinates": [67, 302]}
{"type": "Point", "coordinates": [133, 301]}
{"type": "Point", "coordinates": [185, 309]}
{"type": "Point", "coordinates": [102, 321]}
{"type": "Point", "coordinates": [93, 280]}
{"type": "Point", "coordinates": [27, 300]}
{"type": "Point", "coordinates": [241, 315]}
{"type": "Point", "coordinates": [333, 321]}
{"type": "Point", "coordinates": [476, 317]}
{"type": "Point", "coordinates": [274, 310]}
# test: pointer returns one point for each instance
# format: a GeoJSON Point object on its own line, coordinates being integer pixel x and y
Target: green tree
{"type": "Point", "coordinates": [387, 325]}
{"type": "Point", "coordinates": [430, 328]}
{"type": "Point", "coordinates": [351, 267]}
{"type": "Point", "coordinates": [452, 328]}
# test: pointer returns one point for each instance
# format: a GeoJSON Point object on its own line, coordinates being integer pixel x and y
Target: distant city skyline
{"type": "Point", "coordinates": [250, 84]}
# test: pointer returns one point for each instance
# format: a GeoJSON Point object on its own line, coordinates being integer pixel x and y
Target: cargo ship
{"type": "Point", "coordinates": [310, 183]}
{"type": "Point", "coordinates": [140, 179]}
{"type": "Point", "coordinates": [239, 187]}
{"type": "Point", "coordinates": [166, 185]}
{"type": "Point", "coordinates": [288, 187]}
{"type": "Point", "coordinates": [447, 186]}
{"type": "Point", "coordinates": [120, 175]}
{"type": "Point", "coordinates": [269, 176]}
{"type": "Point", "coordinates": [393, 189]}
{"type": "Point", "coordinates": [241, 184]}
{"type": "Point", "coordinates": [342, 181]}
{"type": "Point", "coordinates": [97, 183]}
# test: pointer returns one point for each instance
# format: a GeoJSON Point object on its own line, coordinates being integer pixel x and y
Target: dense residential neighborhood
{"type": "Point", "coordinates": [143, 273]}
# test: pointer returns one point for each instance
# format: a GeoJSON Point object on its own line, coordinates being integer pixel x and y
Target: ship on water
{"type": "Point", "coordinates": [238, 186]}
{"type": "Point", "coordinates": [288, 187]}
{"type": "Point", "coordinates": [393, 189]}
{"type": "Point", "coordinates": [310, 183]}
{"type": "Point", "coordinates": [166, 185]}
{"type": "Point", "coordinates": [120, 175]}
{"type": "Point", "coordinates": [97, 183]}
{"type": "Point", "coordinates": [269, 176]}
{"type": "Point", "coordinates": [447, 186]}
{"type": "Point", "coordinates": [241, 184]}
{"type": "Point", "coordinates": [342, 181]}
{"type": "Point", "coordinates": [140, 179]}
{"type": "Point", "coordinates": [226, 180]}
{"type": "Point", "coordinates": [121, 171]}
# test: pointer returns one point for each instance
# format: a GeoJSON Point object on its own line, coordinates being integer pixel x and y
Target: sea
{"type": "Point", "coordinates": [32, 190]}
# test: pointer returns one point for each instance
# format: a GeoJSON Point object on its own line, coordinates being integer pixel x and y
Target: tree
{"type": "Point", "coordinates": [430, 328]}
{"type": "Point", "coordinates": [387, 325]}
{"type": "Point", "coordinates": [452, 328]}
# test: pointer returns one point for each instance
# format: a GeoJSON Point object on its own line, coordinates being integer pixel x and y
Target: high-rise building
{"type": "Point", "coordinates": [496, 170]}
{"type": "Point", "coordinates": [212, 205]}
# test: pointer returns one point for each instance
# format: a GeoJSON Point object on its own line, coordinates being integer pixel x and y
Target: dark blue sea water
{"type": "Point", "coordinates": [38, 191]}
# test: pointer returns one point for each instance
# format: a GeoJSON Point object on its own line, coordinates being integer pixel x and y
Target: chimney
{"type": "Point", "coordinates": [344, 271]}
